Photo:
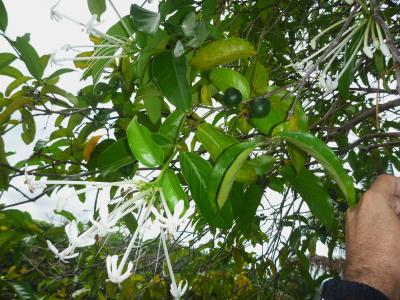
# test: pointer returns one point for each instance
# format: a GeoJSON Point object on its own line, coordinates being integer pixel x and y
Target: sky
{"type": "Point", "coordinates": [47, 36]}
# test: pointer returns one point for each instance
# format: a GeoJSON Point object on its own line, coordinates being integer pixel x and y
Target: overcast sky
{"type": "Point", "coordinates": [33, 17]}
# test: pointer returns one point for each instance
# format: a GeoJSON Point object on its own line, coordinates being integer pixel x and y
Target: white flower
{"type": "Point", "coordinates": [321, 81]}
{"type": "Point", "coordinates": [308, 66]}
{"type": "Point", "coordinates": [368, 52]}
{"type": "Point", "coordinates": [71, 229]}
{"type": "Point", "coordinates": [178, 291]}
{"type": "Point", "coordinates": [349, 2]}
{"type": "Point", "coordinates": [91, 25]}
{"type": "Point", "coordinates": [63, 255]}
{"type": "Point", "coordinates": [385, 50]}
{"type": "Point", "coordinates": [313, 44]}
{"type": "Point", "coordinates": [55, 15]}
{"type": "Point", "coordinates": [327, 83]}
{"type": "Point", "coordinates": [172, 221]}
{"type": "Point", "coordinates": [331, 85]}
{"type": "Point", "coordinates": [66, 47]}
{"type": "Point", "coordinates": [106, 224]}
{"type": "Point", "coordinates": [114, 272]}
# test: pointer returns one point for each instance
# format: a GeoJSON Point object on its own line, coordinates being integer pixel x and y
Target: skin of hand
{"type": "Point", "coordinates": [373, 238]}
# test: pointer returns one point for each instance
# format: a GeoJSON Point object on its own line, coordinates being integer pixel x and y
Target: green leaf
{"type": "Point", "coordinates": [59, 72]}
{"type": "Point", "coordinates": [224, 78]}
{"type": "Point", "coordinates": [29, 57]}
{"type": "Point", "coordinates": [262, 164]}
{"type": "Point", "coordinates": [326, 157]}
{"type": "Point", "coordinates": [163, 142]}
{"type": "Point", "coordinates": [222, 52]}
{"type": "Point", "coordinates": [130, 223]}
{"type": "Point", "coordinates": [196, 172]}
{"type": "Point", "coordinates": [153, 107]}
{"type": "Point", "coordinates": [312, 192]}
{"type": "Point", "coordinates": [248, 207]}
{"type": "Point", "coordinates": [170, 73]}
{"type": "Point", "coordinates": [172, 190]}
{"type": "Point", "coordinates": [28, 127]}
{"type": "Point", "coordinates": [15, 84]}
{"type": "Point", "coordinates": [172, 125]}
{"type": "Point", "coordinates": [4, 171]}
{"type": "Point", "coordinates": [208, 8]}
{"type": "Point", "coordinates": [10, 72]}
{"type": "Point", "coordinates": [115, 157]}
{"type": "Point", "coordinates": [145, 20]}
{"type": "Point", "coordinates": [14, 105]}
{"type": "Point", "coordinates": [143, 146]}
{"type": "Point", "coordinates": [3, 17]}
{"type": "Point", "coordinates": [23, 290]}
{"type": "Point", "coordinates": [6, 59]}
{"type": "Point", "coordinates": [214, 141]}
{"type": "Point", "coordinates": [97, 7]}
{"type": "Point", "coordinates": [258, 76]}
{"type": "Point", "coordinates": [225, 171]}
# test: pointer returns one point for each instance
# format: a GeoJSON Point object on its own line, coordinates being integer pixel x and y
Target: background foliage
{"type": "Point", "coordinates": [158, 103]}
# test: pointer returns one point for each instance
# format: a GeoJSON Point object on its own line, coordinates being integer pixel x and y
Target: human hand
{"type": "Point", "coordinates": [373, 238]}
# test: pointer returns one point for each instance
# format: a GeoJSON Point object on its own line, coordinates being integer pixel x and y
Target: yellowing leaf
{"type": "Point", "coordinates": [88, 150]}
{"type": "Point", "coordinates": [221, 52]}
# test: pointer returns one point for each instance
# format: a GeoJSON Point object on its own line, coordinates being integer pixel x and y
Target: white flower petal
{"type": "Point", "coordinates": [52, 247]}
{"type": "Point", "coordinates": [385, 50]}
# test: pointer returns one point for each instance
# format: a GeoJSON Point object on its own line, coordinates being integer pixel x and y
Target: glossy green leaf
{"type": "Point", "coordinates": [15, 84]}
{"type": "Point", "coordinates": [224, 78]}
{"type": "Point", "coordinates": [6, 59]}
{"type": "Point", "coordinates": [196, 172]}
{"type": "Point", "coordinates": [214, 141]}
{"type": "Point", "coordinates": [23, 290]}
{"type": "Point", "coordinates": [258, 77]}
{"type": "Point", "coordinates": [172, 190]}
{"type": "Point", "coordinates": [143, 146]}
{"type": "Point", "coordinates": [248, 207]}
{"type": "Point", "coordinates": [221, 52]}
{"type": "Point", "coordinates": [28, 126]}
{"type": "Point", "coordinates": [312, 192]}
{"type": "Point", "coordinates": [225, 171]}
{"type": "Point", "coordinates": [153, 107]}
{"type": "Point", "coordinates": [262, 164]}
{"type": "Point", "coordinates": [145, 20]}
{"type": "Point", "coordinates": [59, 72]}
{"type": "Point", "coordinates": [326, 157]}
{"type": "Point", "coordinates": [97, 7]}
{"type": "Point", "coordinates": [163, 142]}
{"type": "Point", "coordinates": [30, 57]}
{"type": "Point", "coordinates": [172, 125]}
{"type": "Point", "coordinates": [116, 156]}
{"type": "Point", "coordinates": [3, 17]}
{"type": "Point", "coordinates": [10, 72]}
{"type": "Point", "coordinates": [170, 73]}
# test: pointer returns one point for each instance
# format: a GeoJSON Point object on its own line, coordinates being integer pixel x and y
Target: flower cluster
{"type": "Point", "coordinates": [110, 48]}
{"type": "Point", "coordinates": [365, 34]}
{"type": "Point", "coordinates": [140, 199]}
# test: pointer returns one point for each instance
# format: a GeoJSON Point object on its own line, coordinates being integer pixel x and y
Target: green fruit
{"type": "Point", "coordinates": [259, 107]}
{"type": "Point", "coordinates": [232, 97]}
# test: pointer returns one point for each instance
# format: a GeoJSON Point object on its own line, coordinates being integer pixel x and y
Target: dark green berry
{"type": "Point", "coordinates": [259, 107]}
{"type": "Point", "coordinates": [232, 97]}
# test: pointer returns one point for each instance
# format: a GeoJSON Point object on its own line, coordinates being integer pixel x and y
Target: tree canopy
{"type": "Point", "coordinates": [237, 131]}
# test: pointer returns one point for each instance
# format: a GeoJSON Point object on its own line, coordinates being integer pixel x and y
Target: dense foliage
{"type": "Point", "coordinates": [267, 118]}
